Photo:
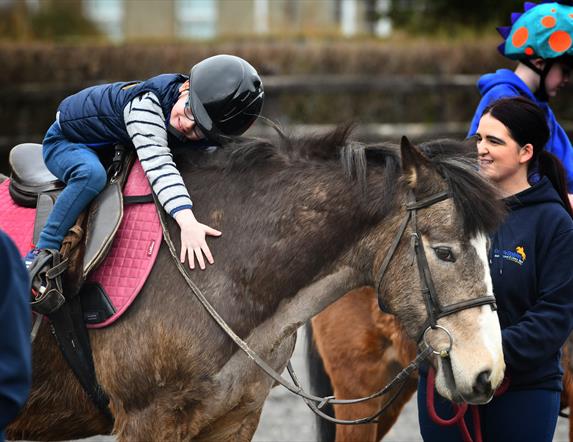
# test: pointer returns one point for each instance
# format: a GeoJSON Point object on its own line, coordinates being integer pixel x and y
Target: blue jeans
{"type": "Point", "coordinates": [79, 167]}
{"type": "Point", "coordinates": [523, 415]}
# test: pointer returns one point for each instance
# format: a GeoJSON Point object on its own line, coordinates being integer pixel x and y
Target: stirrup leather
{"type": "Point", "coordinates": [46, 277]}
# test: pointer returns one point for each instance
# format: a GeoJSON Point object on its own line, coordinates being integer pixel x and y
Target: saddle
{"type": "Point", "coordinates": [117, 262]}
{"type": "Point", "coordinates": [33, 185]}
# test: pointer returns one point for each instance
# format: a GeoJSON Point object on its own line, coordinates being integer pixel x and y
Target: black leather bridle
{"type": "Point", "coordinates": [434, 308]}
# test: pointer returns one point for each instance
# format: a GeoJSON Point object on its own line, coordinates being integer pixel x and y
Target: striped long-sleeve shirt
{"type": "Point", "coordinates": [145, 124]}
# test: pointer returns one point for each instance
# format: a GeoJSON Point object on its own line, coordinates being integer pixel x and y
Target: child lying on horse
{"type": "Point", "coordinates": [221, 98]}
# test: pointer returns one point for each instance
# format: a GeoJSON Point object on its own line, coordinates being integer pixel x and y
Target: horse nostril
{"type": "Point", "coordinates": [483, 383]}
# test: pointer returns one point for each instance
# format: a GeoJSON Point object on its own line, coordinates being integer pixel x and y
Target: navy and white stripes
{"type": "Point", "coordinates": [145, 125]}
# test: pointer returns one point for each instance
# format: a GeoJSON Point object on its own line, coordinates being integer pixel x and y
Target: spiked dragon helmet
{"type": "Point", "coordinates": [543, 30]}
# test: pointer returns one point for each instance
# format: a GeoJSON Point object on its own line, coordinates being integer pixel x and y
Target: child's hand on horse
{"type": "Point", "coordinates": [193, 241]}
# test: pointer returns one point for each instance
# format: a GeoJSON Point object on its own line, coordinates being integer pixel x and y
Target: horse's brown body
{"type": "Point", "coordinates": [567, 393]}
{"type": "Point", "coordinates": [362, 349]}
{"type": "Point", "coordinates": [296, 237]}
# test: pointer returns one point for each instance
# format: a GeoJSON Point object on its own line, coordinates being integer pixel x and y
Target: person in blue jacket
{"type": "Point", "coordinates": [15, 324]}
{"type": "Point", "coordinates": [220, 99]}
{"type": "Point", "coordinates": [530, 266]}
{"type": "Point", "coordinates": [541, 39]}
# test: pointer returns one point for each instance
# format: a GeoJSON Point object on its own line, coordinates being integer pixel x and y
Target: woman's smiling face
{"type": "Point", "coordinates": [501, 158]}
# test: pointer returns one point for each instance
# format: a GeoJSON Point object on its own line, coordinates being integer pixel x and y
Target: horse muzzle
{"type": "Point", "coordinates": [478, 391]}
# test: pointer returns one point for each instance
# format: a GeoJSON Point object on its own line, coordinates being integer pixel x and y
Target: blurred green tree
{"type": "Point", "coordinates": [51, 20]}
{"type": "Point", "coordinates": [452, 16]}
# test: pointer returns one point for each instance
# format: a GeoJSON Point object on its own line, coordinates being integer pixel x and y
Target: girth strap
{"type": "Point", "coordinates": [68, 328]}
{"type": "Point", "coordinates": [66, 315]}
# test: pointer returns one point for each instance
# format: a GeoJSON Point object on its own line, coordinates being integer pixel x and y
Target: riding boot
{"type": "Point", "coordinates": [45, 271]}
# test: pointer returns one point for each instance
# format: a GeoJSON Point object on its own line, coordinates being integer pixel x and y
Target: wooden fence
{"type": "Point", "coordinates": [383, 107]}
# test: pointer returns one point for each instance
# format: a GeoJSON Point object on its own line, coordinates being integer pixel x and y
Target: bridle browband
{"type": "Point", "coordinates": [434, 308]}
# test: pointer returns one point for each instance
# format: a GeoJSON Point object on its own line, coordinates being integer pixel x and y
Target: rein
{"type": "Point", "coordinates": [315, 403]}
{"type": "Point", "coordinates": [433, 307]}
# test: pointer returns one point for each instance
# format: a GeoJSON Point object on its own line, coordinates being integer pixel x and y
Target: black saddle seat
{"type": "Point", "coordinates": [29, 176]}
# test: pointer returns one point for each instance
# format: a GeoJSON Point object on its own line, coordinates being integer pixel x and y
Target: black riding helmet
{"type": "Point", "coordinates": [225, 96]}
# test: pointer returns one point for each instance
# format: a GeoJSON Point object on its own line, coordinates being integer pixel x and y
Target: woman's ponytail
{"type": "Point", "coordinates": [550, 166]}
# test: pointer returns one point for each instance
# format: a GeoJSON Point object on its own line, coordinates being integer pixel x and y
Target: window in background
{"type": "Point", "coordinates": [261, 16]}
{"type": "Point", "coordinates": [349, 17]}
{"type": "Point", "coordinates": [196, 18]}
{"type": "Point", "coordinates": [107, 15]}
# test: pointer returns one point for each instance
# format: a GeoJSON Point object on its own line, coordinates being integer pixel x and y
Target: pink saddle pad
{"type": "Point", "coordinates": [132, 254]}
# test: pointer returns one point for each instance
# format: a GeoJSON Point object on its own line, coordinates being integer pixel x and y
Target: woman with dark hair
{"type": "Point", "coordinates": [530, 266]}
{"type": "Point", "coordinates": [540, 39]}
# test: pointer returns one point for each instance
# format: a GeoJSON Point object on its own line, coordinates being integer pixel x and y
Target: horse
{"type": "Point", "coordinates": [304, 221]}
{"type": "Point", "coordinates": [353, 350]}
{"type": "Point", "coordinates": [567, 393]}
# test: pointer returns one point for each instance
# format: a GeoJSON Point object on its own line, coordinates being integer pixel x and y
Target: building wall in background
{"type": "Point", "coordinates": [235, 17]}
{"type": "Point", "coordinates": [150, 19]}
{"type": "Point", "coordinates": [125, 20]}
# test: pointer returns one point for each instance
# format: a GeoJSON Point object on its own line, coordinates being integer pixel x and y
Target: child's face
{"type": "Point", "coordinates": [557, 78]}
{"type": "Point", "coordinates": [183, 121]}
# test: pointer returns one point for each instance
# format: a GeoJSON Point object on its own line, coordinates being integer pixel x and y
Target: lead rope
{"type": "Point", "coordinates": [459, 410]}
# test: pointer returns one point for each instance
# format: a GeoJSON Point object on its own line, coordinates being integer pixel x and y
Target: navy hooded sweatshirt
{"type": "Point", "coordinates": [15, 347]}
{"type": "Point", "coordinates": [504, 83]}
{"type": "Point", "coordinates": [530, 264]}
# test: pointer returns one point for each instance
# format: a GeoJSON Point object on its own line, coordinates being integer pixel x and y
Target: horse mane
{"type": "Point", "coordinates": [246, 153]}
{"type": "Point", "coordinates": [476, 200]}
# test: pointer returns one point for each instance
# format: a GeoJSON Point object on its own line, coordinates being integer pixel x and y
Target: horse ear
{"type": "Point", "coordinates": [412, 161]}
{"type": "Point", "coordinates": [469, 147]}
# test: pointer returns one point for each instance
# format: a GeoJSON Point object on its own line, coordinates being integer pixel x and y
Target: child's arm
{"type": "Point", "coordinates": [145, 125]}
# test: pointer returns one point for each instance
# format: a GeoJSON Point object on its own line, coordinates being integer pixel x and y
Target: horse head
{"type": "Point", "coordinates": [438, 281]}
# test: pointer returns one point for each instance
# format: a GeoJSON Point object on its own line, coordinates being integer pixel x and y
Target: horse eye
{"type": "Point", "coordinates": [445, 254]}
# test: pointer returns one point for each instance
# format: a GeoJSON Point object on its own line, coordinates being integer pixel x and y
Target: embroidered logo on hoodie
{"type": "Point", "coordinates": [518, 256]}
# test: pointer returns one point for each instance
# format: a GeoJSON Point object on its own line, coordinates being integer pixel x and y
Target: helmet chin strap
{"type": "Point", "coordinates": [541, 93]}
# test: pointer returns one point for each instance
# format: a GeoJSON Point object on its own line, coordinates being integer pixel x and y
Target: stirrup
{"type": "Point", "coordinates": [46, 278]}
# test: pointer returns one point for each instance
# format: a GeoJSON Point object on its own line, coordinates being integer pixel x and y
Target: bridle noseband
{"type": "Point", "coordinates": [434, 308]}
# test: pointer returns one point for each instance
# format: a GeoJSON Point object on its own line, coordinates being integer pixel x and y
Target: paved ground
{"type": "Point", "coordinates": [286, 418]}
